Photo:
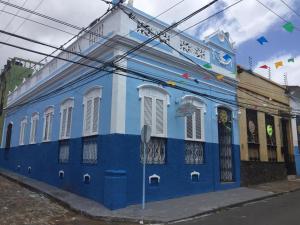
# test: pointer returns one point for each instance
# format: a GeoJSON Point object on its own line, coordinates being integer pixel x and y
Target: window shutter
{"type": "Point", "coordinates": [33, 130]}
{"type": "Point", "coordinates": [22, 133]}
{"type": "Point", "coordinates": [63, 123]}
{"type": "Point", "coordinates": [88, 116]}
{"type": "Point", "coordinates": [148, 111]}
{"type": "Point", "coordinates": [50, 126]}
{"type": "Point", "coordinates": [159, 116]}
{"type": "Point", "coordinates": [96, 114]}
{"type": "Point", "coordinates": [68, 121]}
{"type": "Point", "coordinates": [46, 128]}
{"type": "Point", "coordinates": [189, 126]}
{"type": "Point", "coordinates": [198, 123]}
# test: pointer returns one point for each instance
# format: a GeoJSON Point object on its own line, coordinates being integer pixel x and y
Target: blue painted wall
{"type": "Point", "coordinates": [175, 174]}
{"type": "Point", "coordinates": [297, 159]}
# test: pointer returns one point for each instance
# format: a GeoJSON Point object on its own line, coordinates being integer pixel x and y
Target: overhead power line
{"type": "Point", "coordinates": [135, 73]}
{"type": "Point", "coordinates": [76, 35]}
{"type": "Point", "coordinates": [166, 30]}
{"type": "Point", "coordinates": [13, 18]}
{"type": "Point", "coordinates": [276, 14]}
{"type": "Point", "coordinates": [287, 5]}
{"type": "Point", "coordinates": [62, 59]}
{"type": "Point", "coordinates": [24, 20]}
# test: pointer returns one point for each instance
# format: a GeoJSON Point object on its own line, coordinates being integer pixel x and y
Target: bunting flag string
{"type": "Point", "coordinates": [220, 77]}
{"type": "Point", "coordinates": [207, 66]}
{"type": "Point", "coordinates": [262, 40]}
{"type": "Point", "coordinates": [289, 27]}
{"type": "Point", "coordinates": [278, 64]}
{"type": "Point", "coordinates": [171, 83]}
{"type": "Point", "coordinates": [185, 75]}
{"type": "Point", "coordinates": [264, 67]}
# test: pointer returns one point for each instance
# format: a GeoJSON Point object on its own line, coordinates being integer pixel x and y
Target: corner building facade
{"type": "Point", "coordinates": [86, 138]}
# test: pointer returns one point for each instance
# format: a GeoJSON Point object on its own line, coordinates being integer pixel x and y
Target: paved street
{"type": "Point", "coordinates": [19, 206]}
{"type": "Point", "coordinates": [280, 210]}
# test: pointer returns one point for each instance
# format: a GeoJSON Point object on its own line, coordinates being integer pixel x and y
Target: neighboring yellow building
{"type": "Point", "coordinates": [265, 129]}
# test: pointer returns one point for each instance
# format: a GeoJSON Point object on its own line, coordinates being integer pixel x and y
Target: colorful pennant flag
{"type": "Point", "coordinates": [264, 67]}
{"type": "Point", "coordinates": [220, 77]}
{"type": "Point", "coordinates": [262, 40]}
{"type": "Point", "coordinates": [289, 27]}
{"type": "Point", "coordinates": [207, 66]}
{"type": "Point", "coordinates": [227, 57]}
{"type": "Point", "coordinates": [172, 83]}
{"type": "Point", "coordinates": [185, 75]}
{"type": "Point", "coordinates": [291, 60]}
{"type": "Point", "coordinates": [278, 64]}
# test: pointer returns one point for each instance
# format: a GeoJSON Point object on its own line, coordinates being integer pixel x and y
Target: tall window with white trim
{"type": "Point", "coordinates": [194, 132]}
{"type": "Point", "coordinates": [48, 119]}
{"type": "Point", "coordinates": [91, 102]}
{"type": "Point", "coordinates": [33, 129]}
{"type": "Point", "coordinates": [154, 102]}
{"type": "Point", "coordinates": [22, 131]}
{"type": "Point", "coordinates": [66, 112]}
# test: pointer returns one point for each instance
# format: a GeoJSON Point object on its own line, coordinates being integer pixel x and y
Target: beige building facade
{"type": "Point", "coordinates": [267, 151]}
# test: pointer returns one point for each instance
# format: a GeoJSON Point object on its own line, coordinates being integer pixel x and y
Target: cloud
{"type": "Point", "coordinates": [290, 68]}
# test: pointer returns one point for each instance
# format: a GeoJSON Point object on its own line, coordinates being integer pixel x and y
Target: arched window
{"type": "Point", "coordinates": [22, 131]}
{"type": "Point", "coordinates": [33, 129]}
{"type": "Point", "coordinates": [154, 102]}
{"type": "Point", "coordinates": [91, 102]}
{"type": "Point", "coordinates": [48, 119]}
{"type": "Point", "coordinates": [194, 129]}
{"type": "Point", "coordinates": [8, 135]}
{"type": "Point", "coordinates": [194, 123]}
{"type": "Point", "coordinates": [66, 112]}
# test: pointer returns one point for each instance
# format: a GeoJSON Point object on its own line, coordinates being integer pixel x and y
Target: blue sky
{"type": "Point", "coordinates": [245, 22]}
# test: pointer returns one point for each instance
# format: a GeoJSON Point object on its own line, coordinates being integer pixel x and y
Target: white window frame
{"type": "Point", "coordinates": [48, 112]}
{"type": "Point", "coordinates": [33, 130]}
{"type": "Point", "coordinates": [23, 126]}
{"type": "Point", "coordinates": [91, 95]}
{"type": "Point", "coordinates": [199, 105]}
{"type": "Point", "coordinates": [66, 105]}
{"type": "Point", "coordinates": [155, 93]}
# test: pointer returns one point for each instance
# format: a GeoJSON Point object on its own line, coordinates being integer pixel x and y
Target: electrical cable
{"type": "Point", "coordinates": [276, 14]}
{"type": "Point", "coordinates": [287, 5]}
{"type": "Point", "coordinates": [173, 6]}
{"type": "Point", "coordinates": [157, 81]}
{"type": "Point", "coordinates": [13, 18]}
{"type": "Point", "coordinates": [171, 27]}
{"type": "Point", "coordinates": [24, 21]}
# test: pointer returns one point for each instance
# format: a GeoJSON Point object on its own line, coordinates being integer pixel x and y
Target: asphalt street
{"type": "Point", "coordinates": [281, 210]}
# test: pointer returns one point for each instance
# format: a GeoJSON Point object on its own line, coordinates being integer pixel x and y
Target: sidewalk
{"type": "Point", "coordinates": [162, 211]}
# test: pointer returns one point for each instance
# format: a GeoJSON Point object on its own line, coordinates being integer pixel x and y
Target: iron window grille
{"type": "Point", "coordinates": [272, 153]}
{"type": "Point", "coordinates": [155, 151]}
{"type": "Point", "coordinates": [298, 130]}
{"type": "Point", "coordinates": [90, 150]}
{"type": "Point", "coordinates": [194, 152]}
{"type": "Point", "coordinates": [271, 138]}
{"type": "Point", "coordinates": [252, 134]}
{"type": "Point", "coordinates": [64, 151]}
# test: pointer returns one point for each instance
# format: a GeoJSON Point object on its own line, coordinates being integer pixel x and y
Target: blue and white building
{"type": "Point", "coordinates": [80, 131]}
